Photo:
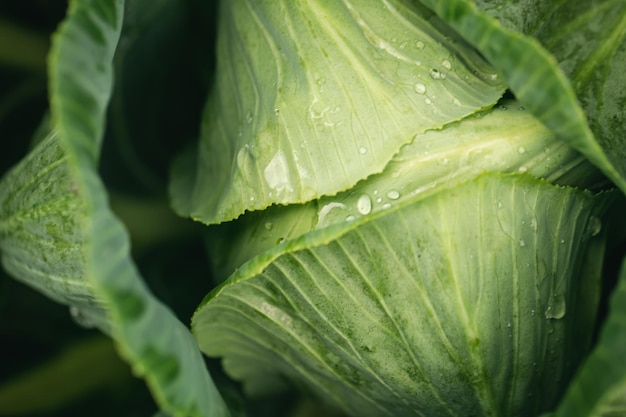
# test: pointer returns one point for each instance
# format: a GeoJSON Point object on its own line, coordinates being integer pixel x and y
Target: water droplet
{"type": "Point", "coordinates": [379, 200]}
{"type": "Point", "coordinates": [504, 108]}
{"type": "Point", "coordinates": [245, 158]}
{"type": "Point", "coordinates": [420, 88]}
{"type": "Point", "coordinates": [350, 218]}
{"type": "Point", "coordinates": [277, 173]}
{"type": "Point", "coordinates": [446, 64]}
{"type": "Point", "coordinates": [364, 204]}
{"type": "Point", "coordinates": [594, 227]}
{"type": "Point", "coordinates": [393, 195]}
{"type": "Point", "coordinates": [532, 312]}
{"type": "Point", "coordinates": [435, 74]}
{"type": "Point", "coordinates": [522, 108]}
{"type": "Point", "coordinates": [556, 307]}
{"type": "Point", "coordinates": [419, 45]}
{"type": "Point", "coordinates": [386, 206]}
{"type": "Point", "coordinates": [522, 169]}
{"type": "Point", "coordinates": [499, 204]}
{"type": "Point", "coordinates": [533, 224]}
{"type": "Point", "coordinates": [562, 242]}
{"type": "Point", "coordinates": [249, 117]}
{"type": "Point", "coordinates": [326, 209]}
{"type": "Point", "coordinates": [493, 77]}
{"type": "Point", "coordinates": [428, 101]}
{"type": "Point", "coordinates": [277, 111]}
{"type": "Point", "coordinates": [268, 225]}
{"type": "Point", "coordinates": [362, 150]}
{"type": "Point", "coordinates": [456, 101]}
{"type": "Point", "coordinates": [522, 243]}
{"type": "Point", "coordinates": [80, 318]}
{"type": "Point", "coordinates": [521, 150]}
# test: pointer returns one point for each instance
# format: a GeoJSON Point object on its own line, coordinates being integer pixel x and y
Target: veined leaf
{"type": "Point", "coordinates": [535, 78]}
{"type": "Point", "coordinates": [588, 40]}
{"type": "Point", "coordinates": [467, 302]}
{"type": "Point", "coordinates": [58, 234]}
{"type": "Point", "coordinates": [504, 139]}
{"type": "Point", "coordinates": [599, 389]}
{"type": "Point", "coordinates": [311, 97]}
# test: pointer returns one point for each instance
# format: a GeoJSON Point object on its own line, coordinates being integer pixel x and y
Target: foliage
{"type": "Point", "coordinates": [402, 207]}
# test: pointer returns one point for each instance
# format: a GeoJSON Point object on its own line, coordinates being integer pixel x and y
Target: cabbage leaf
{"type": "Point", "coordinates": [469, 302]}
{"type": "Point", "coordinates": [310, 99]}
{"type": "Point", "coordinates": [58, 234]}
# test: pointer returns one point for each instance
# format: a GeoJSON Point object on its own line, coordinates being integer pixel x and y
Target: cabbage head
{"type": "Point", "coordinates": [407, 220]}
{"type": "Point", "coordinates": [410, 208]}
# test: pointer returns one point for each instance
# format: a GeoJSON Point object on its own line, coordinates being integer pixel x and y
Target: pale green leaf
{"type": "Point", "coordinates": [467, 302]}
{"type": "Point", "coordinates": [311, 97]}
{"type": "Point", "coordinates": [504, 139]}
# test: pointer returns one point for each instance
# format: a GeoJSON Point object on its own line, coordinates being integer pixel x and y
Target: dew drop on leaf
{"type": "Point", "coordinates": [393, 195]}
{"type": "Point", "coordinates": [435, 74]}
{"type": "Point", "coordinates": [556, 307]}
{"type": "Point", "coordinates": [594, 227]}
{"type": "Point", "coordinates": [79, 318]}
{"type": "Point", "coordinates": [364, 204]}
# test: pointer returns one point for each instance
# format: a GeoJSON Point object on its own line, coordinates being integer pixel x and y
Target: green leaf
{"type": "Point", "coordinates": [588, 39]}
{"type": "Point", "coordinates": [467, 302]}
{"type": "Point", "coordinates": [536, 79]}
{"type": "Point", "coordinates": [504, 139]}
{"type": "Point", "coordinates": [58, 234]}
{"type": "Point", "coordinates": [310, 98]}
{"type": "Point", "coordinates": [599, 389]}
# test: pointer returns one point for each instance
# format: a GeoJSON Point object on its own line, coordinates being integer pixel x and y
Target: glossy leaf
{"type": "Point", "coordinates": [468, 302]}
{"type": "Point", "coordinates": [504, 139]}
{"type": "Point", "coordinates": [310, 99]}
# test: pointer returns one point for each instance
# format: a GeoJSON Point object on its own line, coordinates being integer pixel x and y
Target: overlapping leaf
{"type": "Point", "coordinates": [58, 234]}
{"type": "Point", "coordinates": [467, 302]}
{"type": "Point", "coordinates": [588, 40]}
{"type": "Point", "coordinates": [534, 76]}
{"type": "Point", "coordinates": [599, 390]}
{"type": "Point", "coordinates": [310, 99]}
{"type": "Point", "coordinates": [504, 139]}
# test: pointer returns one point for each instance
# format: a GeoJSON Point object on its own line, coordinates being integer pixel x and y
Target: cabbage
{"type": "Point", "coordinates": [410, 208]}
